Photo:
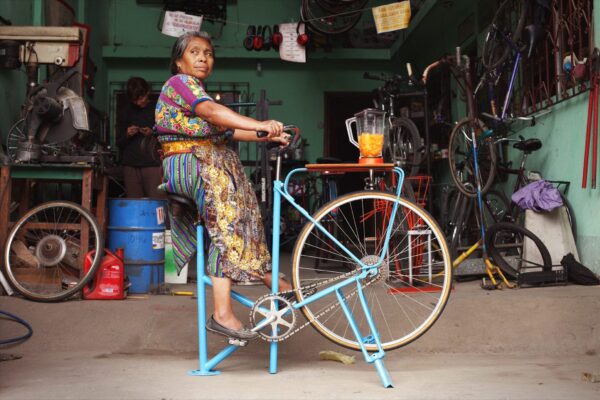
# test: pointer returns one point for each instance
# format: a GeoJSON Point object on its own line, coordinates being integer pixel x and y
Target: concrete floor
{"type": "Point", "coordinates": [510, 344]}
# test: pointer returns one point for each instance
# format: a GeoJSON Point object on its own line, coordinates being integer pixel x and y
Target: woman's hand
{"type": "Point", "coordinates": [272, 127]}
{"type": "Point", "coordinates": [274, 131]}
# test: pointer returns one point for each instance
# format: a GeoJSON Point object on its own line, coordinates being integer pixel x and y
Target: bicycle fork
{"type": "Point", "coordinates": [375, 358]}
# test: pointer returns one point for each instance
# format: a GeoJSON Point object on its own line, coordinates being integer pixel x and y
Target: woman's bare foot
{"type": "Point", "coordinates": [284, 285]}
{"type": "Point", "coordinates": [229, 321]}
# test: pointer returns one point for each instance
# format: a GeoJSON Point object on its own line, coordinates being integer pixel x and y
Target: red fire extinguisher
{"type": "Point", "coordinates": [108, 284]}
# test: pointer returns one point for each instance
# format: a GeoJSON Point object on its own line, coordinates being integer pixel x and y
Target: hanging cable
{"type": "Point", "coordinates": [20, 321]}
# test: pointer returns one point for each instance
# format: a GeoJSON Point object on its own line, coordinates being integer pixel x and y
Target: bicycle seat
{"type": "Point", "coordinates": [328, 160]}
{"type": "Point", "coordinates": [529, 145]}
{"type": "Point", "coordinates": [178, 204]}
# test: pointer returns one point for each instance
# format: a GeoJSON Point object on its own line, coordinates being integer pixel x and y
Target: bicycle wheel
{"type": "Point", "coordinates": [461, 160]}
{"type": "Point", "coordinates": [16, 134]}
{"type": "Point", "coordinates": [496, 207]}
{"type": "Point", "coordinates": [412, 285]}
{"type": "Point", "coordinates": [328, 22]}
{"type": "Point", "coordinates": [507, 25]}
{"type": "Point", "coordinates": [45, 250]}
{"type": "Point", "coordinates": [403, 148]}
{"type": "Point", "coordinates": [515, 249]}
{"type": "Point", "coordinates": [571, 215]}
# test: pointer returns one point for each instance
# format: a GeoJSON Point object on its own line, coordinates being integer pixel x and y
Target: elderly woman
{"type": "Point", "coordinates": [193, 131]}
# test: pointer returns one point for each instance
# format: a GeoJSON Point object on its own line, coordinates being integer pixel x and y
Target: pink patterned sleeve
{"type": "Point", "coordinates": [187, 92]}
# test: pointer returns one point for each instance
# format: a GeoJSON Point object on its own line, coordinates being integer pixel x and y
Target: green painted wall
{"type": "Point", "coordinates": [13, 83]}
{"type": "Point", "coordinates": [126, 42]}
{"type": "Point", "coordinates": [139, 49]}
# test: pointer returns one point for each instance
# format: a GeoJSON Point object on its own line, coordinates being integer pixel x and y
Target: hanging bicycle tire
{"type": "Point", "coordinates": [333, 20]}
{"type": "Point", "coordinates": [461, 160]}
{"type": "Point", "coordinates": [403, 148]}
{"type": "Point", "coordinates": [508, 24]}
{"type": "Point", "coordinates": [45, 251]}
{"type": "Point", "coordinates": [515, 249]}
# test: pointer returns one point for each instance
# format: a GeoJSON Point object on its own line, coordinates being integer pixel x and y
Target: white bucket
{"type": "Point", "coordinates": [170, 268]}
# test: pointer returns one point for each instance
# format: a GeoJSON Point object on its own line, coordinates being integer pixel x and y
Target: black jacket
{"type": "Point", "coordinates": [138, 150]}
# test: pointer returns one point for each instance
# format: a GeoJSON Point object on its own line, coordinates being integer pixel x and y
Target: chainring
{"type": "Point", "coordinates": [283, 319]}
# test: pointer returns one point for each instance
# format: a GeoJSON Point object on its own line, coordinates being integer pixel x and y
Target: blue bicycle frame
{"type": "Point", "coordinates": [511, 83]}
{"type": "Point", "coordinates": [279, 192]}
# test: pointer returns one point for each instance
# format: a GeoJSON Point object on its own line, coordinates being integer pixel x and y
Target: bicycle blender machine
{"type": "Point", "coordinates": [371, 129]}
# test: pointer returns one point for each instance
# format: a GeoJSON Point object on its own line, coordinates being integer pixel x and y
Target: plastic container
{"type": "Point", "coordinates": [170, 267]}
{"type": "Point", "coordinates": [138, 226]}
{"type": "Point", "coordinates": [108, 284]}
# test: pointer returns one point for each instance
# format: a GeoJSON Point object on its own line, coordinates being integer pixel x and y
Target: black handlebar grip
{"type": "Point", "coordinates": [367, 75]}
{"type": "Point", "coordinates": [261, 134]}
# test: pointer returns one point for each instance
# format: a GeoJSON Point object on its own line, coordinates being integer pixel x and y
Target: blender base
{"type": "Point", "coordinates": [370, 160]}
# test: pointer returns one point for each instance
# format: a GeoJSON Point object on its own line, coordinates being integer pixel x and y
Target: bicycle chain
{"type": "Point", "coordinates": [302, 289]}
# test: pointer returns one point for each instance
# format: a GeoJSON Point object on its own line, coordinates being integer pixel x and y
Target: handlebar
{"type": "Point", "coordinates": [291, 129]}
{"type": "Point", "coordinates": [394, 79]}
{"type": "Point", "coordinates": [459, 61]}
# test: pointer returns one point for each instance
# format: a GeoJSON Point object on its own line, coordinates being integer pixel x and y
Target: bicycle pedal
{"type": "Point", "coordinates": [237, 342]}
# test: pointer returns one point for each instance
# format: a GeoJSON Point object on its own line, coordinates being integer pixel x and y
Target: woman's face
{"type": "Point", "coordinates": [197, 59]}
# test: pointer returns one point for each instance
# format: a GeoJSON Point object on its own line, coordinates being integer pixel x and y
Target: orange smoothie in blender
{"type": "Point", "coordinates": [370, 144]}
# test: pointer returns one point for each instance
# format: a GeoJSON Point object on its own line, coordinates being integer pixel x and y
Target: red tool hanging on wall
{"type": "Point", "coordinates": [592, 114]}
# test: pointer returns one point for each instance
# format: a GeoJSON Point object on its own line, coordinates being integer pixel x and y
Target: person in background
{"type": "Point", "coordinates": [137, 144]}
{"type": "Point", "coordinates": [193, 131]}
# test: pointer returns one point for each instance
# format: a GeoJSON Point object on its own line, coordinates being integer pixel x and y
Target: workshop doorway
{"type": "Point", "coordinates": [340, 106]}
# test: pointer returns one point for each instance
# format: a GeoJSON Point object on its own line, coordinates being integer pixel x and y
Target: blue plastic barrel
{"type": "Point", "coordinates": [138, 226]}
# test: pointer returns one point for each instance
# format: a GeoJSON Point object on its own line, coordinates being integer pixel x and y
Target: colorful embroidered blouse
{"type": "Point", "coordinates": [175, 116]}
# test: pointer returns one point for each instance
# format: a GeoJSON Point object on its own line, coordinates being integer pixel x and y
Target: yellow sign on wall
{"type": "Point", "coordinates": [392, 17]}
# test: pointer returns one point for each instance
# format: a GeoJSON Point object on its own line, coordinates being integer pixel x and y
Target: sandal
{"type": "Point", "coordinates": [242, 334]}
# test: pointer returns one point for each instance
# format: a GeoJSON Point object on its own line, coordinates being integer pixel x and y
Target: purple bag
{"type": "Point", "coordinates": [538, 196]}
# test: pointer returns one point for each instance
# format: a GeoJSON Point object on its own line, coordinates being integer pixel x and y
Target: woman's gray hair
{"type": "Point", "coordinates": [181, 44]}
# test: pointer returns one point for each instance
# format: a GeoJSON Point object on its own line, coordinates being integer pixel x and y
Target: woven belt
{"type": "Point", "coordinates": [184, 146]}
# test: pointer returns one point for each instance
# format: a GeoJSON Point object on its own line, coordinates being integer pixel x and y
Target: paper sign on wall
{"type": "Point", "coordinates": [176, 23]}
{"type": "Point", "coordinates": [392, 17]}
{"type": "Point", "coordinates": [290, 50]}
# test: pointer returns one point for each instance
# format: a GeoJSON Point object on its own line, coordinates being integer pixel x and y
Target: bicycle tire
{"type": "Point", "coordinates": [403, 147]}
{"type": "Point", "coordinates": [16, 134]}
{"type": "Point", "coordinates": [504, 233]}
{"type": "Point", "coordinates": [460, 158]}
{"type": "Point", "coordinates": [324, 22]}
{"type": "Point", "coordinates": [495, 49]}
{"type": "Point", "coordinates": [571, 215]}
{"type": "Point", "coordinates": [496, 207]}
{"type": "Point", "coordinates": [42, 257]}
{"type": "Point", "coordinates": [333, 6]}
{"type": "Point", "coordinates": [415, 307]}
{"type": "Point", "coordinates": [463, 229]}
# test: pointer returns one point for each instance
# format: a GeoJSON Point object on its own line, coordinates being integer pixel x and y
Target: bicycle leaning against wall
{"type": "Point", "coordinates": [472, 160]}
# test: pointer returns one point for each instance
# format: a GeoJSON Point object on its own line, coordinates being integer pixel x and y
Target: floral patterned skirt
{"type": "Point", "coordinates": [214, 177]}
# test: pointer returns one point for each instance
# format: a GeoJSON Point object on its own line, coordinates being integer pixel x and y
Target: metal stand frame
{"type": "Point", "coordinates": [206, 366]}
